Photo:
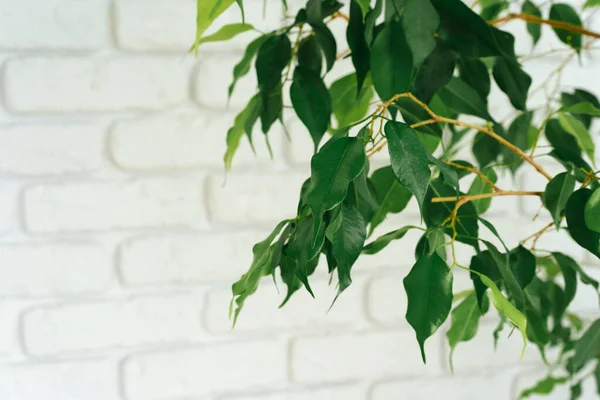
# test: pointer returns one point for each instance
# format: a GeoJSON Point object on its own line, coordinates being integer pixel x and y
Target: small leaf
{"type": "Point", "coordinates": [382, 241]}
{"type": "Point", "coordinates": [592, 211]}
{"type": "Point", "coordinates": [588, 346]}
{"type": "Point", "coordinates": [429, 290]}
{"type": "Point", "coordinates": [464, 99]}
{"type": "Point", "coordinates": [337, 164]}
{"type": "Point", "coordinates": [409, 159]}
{"type": "Point", "coordinates": [557, 194]}
{"type": "Point", "coordinates": [243, 67]}
{"type": "Point", "coordinates": [513, 81]}
{"type": "Point", "coordinates": [583, 137]}
{"type": "Point", "coordinates": [545, 386]}
{"type": "Point", "coordinates": [206, 12]}
{"type": "Point", "coordinates": [479, 186]}
{"type": "Point", "coordinates": [535, 30]}
{"type": "Point", "coordinates": [226, 32]}
{"type": "Point", "coordinates": [578, 229]}
{"type": "Point", "coordinates": [243, 124]}
{"type": "Point", "coordinates": [355, 35]}
{"type": "Point", "coordinates": [592, 3]}
{"type": "Point", "coordinates": [347, 106]}
{"type": "Point", "coordinates": [465, 322]}
{"type": "Point", "coordinates": [565, 13]}
{"type": "Point", "coordinates": [420, 21]}
{"type": "Point", "coordinates": [391, 195]}
{"type": "Point", "coordinates": [391, 61]}
{"type": "Point", "coordinates": [312, 102]}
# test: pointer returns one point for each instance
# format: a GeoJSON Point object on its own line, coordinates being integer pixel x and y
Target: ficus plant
{"type": "Point", "coordinates": [422, 75]}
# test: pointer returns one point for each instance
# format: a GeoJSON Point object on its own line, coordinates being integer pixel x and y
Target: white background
{"type": "Point", "coordinates": [120, 239]}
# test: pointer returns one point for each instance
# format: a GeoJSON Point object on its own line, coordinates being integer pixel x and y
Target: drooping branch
{"type": "Point", "coordinates": [466, 199]}
{"type": "Point", "coordinates": [553, 23]}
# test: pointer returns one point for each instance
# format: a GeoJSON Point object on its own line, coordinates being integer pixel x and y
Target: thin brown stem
{"type": "Point", "coordinates": [553, 23]}
{"type": "Point", "coordinates": [465, 199]}
{"type": "Point", "coordinates": [476, 172]}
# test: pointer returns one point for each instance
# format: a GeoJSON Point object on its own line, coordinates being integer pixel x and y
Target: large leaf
{"type": "Point", "coordinates": [479, 186]}
{"type": "Point", "coordinates": [435, 73]}
{"type": "Point", "coordinates": [575, 214]}
{"type": "Point", "coordinates": [420, 21]}
{"type": "Point", "coordinates": [392, 196]}
{"type": "Point", "coordinates": [347, 234]}
{"type": "Point", "coordinates": [582, 136]}
{"type": "Point", "coordinates": [348, 107]}
{"type": "Point", "coordinates": [513, 81]}
{"type": "Point", "coordinates": [465, 322]}
{"type": "Point", "coordinates": [312, 102]}
{"type": "Point", "coordinates": [408, 158]}
{"type": "Point", "coordinates": [391, 61]}
{"type": "Point", "coordinates": [382, 241]}
{"type": "Point", "coordinates": [464, 99]}
{"type": "Point", "coordinates": [355, 35]}
{"type": "Point", "coordinates": [337, 164]}
{"type": "Point", "coordinates": [592, 211]}
{"type": "Point", "coordinates": [244, 123]}
{"type": "Point", "coordinates": [535, 30]}
{"type": "Point", "coordinates": [243, 67]}
{"type": "Point", "coordinates": [588, 346]}
{"type": "Point", "coordinates": [207, 12]}
{"type": "Point", "coordinates": [429, 290]}
{"type": "Point", "coordinates": [557, 193]}
{"type": "Point", "coordinates": [565, 13]}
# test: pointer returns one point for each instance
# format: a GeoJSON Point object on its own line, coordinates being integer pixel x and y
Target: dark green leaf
{"type": "Point", "coordinates": [535, 30]}
{"type": "Point", "coordinates": [432, 241]}
{"type": "Point", "coordinates": [545, 386]}
{"type": "Point", "coordinates": [391, 61]}
{"type": "Point", "coordinates": [518, 134]}
{"type": "Point", "coordinates": [312, 102]}
{"type": "Point", "coordinates": [565, 13]}
{"type": "Point", "coordinates": [355, 35]}
{"type": "Point", "coordinates": [371, 20]}
{"type": "Point", "coordinates": [413, 113]}
{"type": "Point", "coordinates": [391, 195]}
{"type": "Point", "coordinates": [382, 241]}
{"type": "Point", "coordinates": [597, 377]}
{"type": "Point", "coordinates": [420, 21]}
{"type": "Point", "coordinates": [508, 276]}
{"type": "Point", "coordinates": [475, 74]}
{"type": "Point", "coordinates": [303, 249]}
{"type": "Point", "coordinates": [557, 193]}
{"type": "Point", "coordinates": [513, 81]}
{"type": "Point", "coordinates": [243, 67]}
{"type": "Point", "coordinates": [479, 186]}
{"type": "Point", "coordinates": [429, 290]}
{"type": "Point", "coordinates": [409, 159]}
{"type": "Point", "coordinates": [435, 73]}
{"type": "Point", "coordinates": [568, 267]}
{"type": "Point", "coordinates": [588, 346]}
{"type": "Point", "coordinates": [486, 149]}
{"type": "Point", "coordinates": [243, 124]}
{"type": "Point", "coordinates": [309, 55]}
{"type": "Point", "coordinates": [575, 391]}
{"type": "Point", "coordinates": [491, 12]}
{"type": "Point", "coordinates": [522, 263]}
{"type": "Point", "coordinates": [347, 107]}
{"type": "Point", "coordinates": [327, 42]}
{"type": "Point", "coordinates": [465, 322]}
{"type": "Point", "coordinates": [580, 96]}
{"type": "Point", "coordinates": [347, 234]}
{"type": "Point", "coordinates": [582, 136]}
{"type": "Point", "coordinates": [464, 99]}
{"type": "Point", "coordinates": [448, 173]}
{"type": "Point", "coordinates": [592, 212]}
{"type": "Point", "coordinates": [578, 229]}
{"type": "Point", "coordinates": [363, 195]}
{"type": "Point", "coordinates": [332, 169]}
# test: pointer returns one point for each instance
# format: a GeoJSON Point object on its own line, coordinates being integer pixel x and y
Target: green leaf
{"type": "Point", "coordinates": [583, 137]}
{"type": "Point", "coordinates": [413, 113]}
{"type": "Point", "coordinates": [576, 391]}
{"type": "Point", "coordinates": [207, 12]}
{"type": "Point", "coordinates": [578, 229]}
{"type": "Point", "coordinates": [511, 282]}
{"type": "Point", "coordinates": [391, 61]}
{"type": "Point", "coordinates": [592, 212]}
{"type": "Point", "coordinates": [391, 195]}
{"type": "Point", "coordinates": [464, 99]}
{"type": "Point", "coordinates": [365, 6]}
{"type": "Point", "coordinates": [513, 81]}
{"type": "Point", "coordinates": [479, 186]}
{"type": "Point", "coordinates": [362, 195]}
{"type": "Point", "coordinates": [420, 21]}
{"type": "Point", "coordinates": [564, 144]}
{"type": "Point", "coordinates": [309, 55]}
{"type": "Point", "coordinates": [465, 322]}
{"type": "Point", "coordinates": [243, 124]}
{"type": "Point", "coordinates": [569, 269]}
{"type": "Point", "coordinates": [588, 346]}
{"type": "Point", "coordinates": [592, 3]}
{"type": "Point", "coordinates": [327, 42]}
{"type": "Point", "coordinates": [435, 73]}
{"type": "Point", "coordinates": [597, 377]}
{"type": "Point", "coordinates": [483, 263]}
{"type": "Point", "coordinates": [535, 30]}
{"type": "Point", "coordinates": [408, 158]}
{"type": "Point", "coordinates": [302, 251]}
{"type": "Point", "coordinates": [429, 290]}
{"type": "Point", "coordinates": [581, 96]}
{"type": "Point", "coordinates": [312, 102]}
{"type": "Point", "coordinates": [248, 283]}
{"type": "Point", "coordinates": [557, 193]}
{"type": "Point", "coordinates": [475, 74]}
{"type": "Point", "coordinates": [565, 13]}
{"type": "Point", "coordinates": [486, 149]}
{"type": "Point", "coordinates": [583, 108]}
{"type": "Point", "coordinates": [347, 106]}
{"type": "Point", "coordinates": [337, 164]}
{"type": "Point", "coordinates": [382, 241]}
{"type": "Point", "coordinates": [355, 35]}
{"type": "Point", "coordinates": [449, 174]}
{"type": "Point", "coordinates": [243, 67]}
{"type": "Point", "coordinates": [226, 32]}
{"type": "Point", "coordinates": [522, 263]}
{"type": "Point", "coordinates": [517, 135]}
{"type": "Point", "coordinates": [347, 234]}
{"type": "Point", "coordinates": [371, 20]}
{"type": "Point", "coordinates": [505, 308]}
{"type": "Point", "coordinates": [545, 386]}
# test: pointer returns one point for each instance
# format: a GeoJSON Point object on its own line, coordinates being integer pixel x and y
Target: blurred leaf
{"type": "Point", "coordinates": [583, 137]}
{"type": "Point", "coordinates": [592, 212]}
{"type": "Point", "coordinates": [565, 13]}
{"type": "Point", "coordinates": [556, 195]}
{"type": "Point", "coordinates": [578, 229]}
{"type": "Point", "coordinates": [535, 30]}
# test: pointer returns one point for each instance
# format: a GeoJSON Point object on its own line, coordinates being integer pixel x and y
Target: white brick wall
{"type": "Point", "coordinates": [120, 234]}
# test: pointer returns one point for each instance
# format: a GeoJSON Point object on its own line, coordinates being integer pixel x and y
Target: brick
{"type": "Point", "coordinates": [53, 269]}
{"type": "Point", "coordinates": [99, 84]}
{"type": "Point", "coordinates": [254, 198]}
{"type": "Point", "coordinates": [362, 355]}
{"type": "Point", "coordinates": [187, 259]}
{"type": "Point", "coordinates": [262, 313]}
{"type": "Point", "coordinates": [53, 24]}
{"type": "Point", "coordinates": [346, 392]}
{"type": "Point", "coordinates": [148, 25]}
{"type": "Point", "coordinates": [90, 380]}
{"type": "Point", "coordinates": [50, 149]}
{"type": "Point", "coordinates": [113, 324]}
{"type": "Point", "coordinates": [202, 371]}
{"type": "Point", "coordinates": [143, 203]}
{"type": "Point", "coordinates": [178, 140]}
{"type": "Point", "coordinates": [496, 385]}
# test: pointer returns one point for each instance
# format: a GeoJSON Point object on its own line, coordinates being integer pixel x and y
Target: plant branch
{"type": "Point", "coordinates": [465, 199]}
{"type": "Point", "coordinates": [476, 172]}
{"type": "Point", "coordinates": [553, 23]}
